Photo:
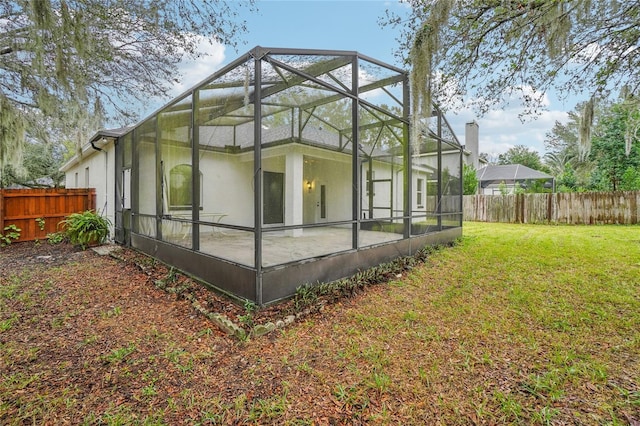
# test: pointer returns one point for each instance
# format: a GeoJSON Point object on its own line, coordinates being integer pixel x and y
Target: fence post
{"type": "Point", "coordinates": [522, 208]}
{"type": "Point", "coordinates": [91, 195]}
{"type": "Point", "coordinates": [1, 211]}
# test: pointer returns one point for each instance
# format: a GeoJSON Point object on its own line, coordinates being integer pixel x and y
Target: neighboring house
{"type": "Point", "coordinates": [250, 180]}
{"type": "Point", "coordinates": [494, 179]}
{"type": "Point", "coordinates": [42, 182]}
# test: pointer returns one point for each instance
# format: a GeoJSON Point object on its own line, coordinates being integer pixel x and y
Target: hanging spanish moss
{"type": "Point", "coordinates": [57, 103]}
{"type": "Point", "coordinates": [12, 133]}
{"type": "Point", "coordinates": [632, 123]}
{"type": "Point", "coordinates": [584, 129]}
{"type": "Point", "coordinates": [422, 55]}
{"type": "Point", "coordinates": [81, 120]}
{"type": "Point", "coordinates": [559, 27]}
{"type": "Point", "coordinates": [631, 134]}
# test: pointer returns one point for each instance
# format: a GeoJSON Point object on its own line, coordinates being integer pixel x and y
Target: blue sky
{"type": "Point", "coordinates": [353, 25]}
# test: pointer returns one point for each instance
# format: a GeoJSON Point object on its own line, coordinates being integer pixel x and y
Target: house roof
{"type": "Point", "coordinates": [93, 145]}
{"type": "Point", "coordinates": [509, 173]}
{"type": "Point", "coordinates": [110, 133]}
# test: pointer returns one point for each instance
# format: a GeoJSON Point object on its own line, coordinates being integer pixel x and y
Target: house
{"type": "Point", "coordinates": [94, 167]}
{"type": "Point", "coordinates": [498, 179]}
{"type": "Point", "coordinates": [286, 167]}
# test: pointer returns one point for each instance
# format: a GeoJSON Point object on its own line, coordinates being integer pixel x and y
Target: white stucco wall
{"type": "Point", "coordinates": [95, 169]}
{"type": "Point", "coordinates": [227, 183]}
{"type": "Point", "coordinates": [334, 172]}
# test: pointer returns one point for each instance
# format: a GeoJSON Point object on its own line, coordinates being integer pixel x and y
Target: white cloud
{"type": "Point", "coordinates": [499, 129]}
{"type": "Point", "coordinates": [195, 70]}
{"type": "Point", "coordinates": [191, 72]}
{"type": "Point", "coordinates": [502, 128]}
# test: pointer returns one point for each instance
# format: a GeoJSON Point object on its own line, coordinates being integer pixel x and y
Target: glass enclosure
{"type": "Point", "coordinates": [285, 159]}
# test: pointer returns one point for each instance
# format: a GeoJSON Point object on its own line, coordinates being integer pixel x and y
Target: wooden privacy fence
{"type": "Point", "coordinates": [37, 212]}
{"type": "Point", "coordinates": [570, 208]}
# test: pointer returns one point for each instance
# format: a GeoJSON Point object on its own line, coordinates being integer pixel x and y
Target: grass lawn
{"type": "Point", "coordinates": [517, 324]}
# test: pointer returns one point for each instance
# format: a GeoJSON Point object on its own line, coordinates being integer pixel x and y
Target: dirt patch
{"type": "Point", "coordinates": [85, 334]}
{"type": "Point", "coordinates": [29, 256]}
{"type": "Point", "coordinates": [18, 256]}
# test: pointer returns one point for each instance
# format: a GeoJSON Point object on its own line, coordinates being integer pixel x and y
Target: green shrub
{"type": "Point", "coordinates": [86, 228]}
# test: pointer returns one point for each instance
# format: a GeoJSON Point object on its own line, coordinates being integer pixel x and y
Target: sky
{"type": "Point", "coordinates": [354, 25]}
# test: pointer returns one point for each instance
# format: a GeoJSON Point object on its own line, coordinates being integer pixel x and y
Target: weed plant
{"type": "Point", "coordinates": [11, 233]}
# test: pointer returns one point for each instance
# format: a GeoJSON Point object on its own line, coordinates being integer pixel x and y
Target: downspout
{"type": "Point", "coordinates": [106, 174]}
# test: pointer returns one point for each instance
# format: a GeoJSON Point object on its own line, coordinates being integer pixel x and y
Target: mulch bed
{"type": "Point", "coordinates": [74, 312]}
{"type": "Point", "coordinates": [30, 255]}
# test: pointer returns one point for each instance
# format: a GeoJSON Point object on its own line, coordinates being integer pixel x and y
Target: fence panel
{"type": "Point", "coordinates": [619, 207]}
{"type": "Point", "coordinates": [37, 212]}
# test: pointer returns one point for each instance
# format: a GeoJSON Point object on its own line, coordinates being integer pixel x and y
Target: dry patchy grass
{"type": "Point", "coordinates": [516, 325]}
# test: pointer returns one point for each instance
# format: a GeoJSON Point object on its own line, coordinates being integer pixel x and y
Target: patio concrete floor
{"type": "Point", "coordinates": [279, 247]}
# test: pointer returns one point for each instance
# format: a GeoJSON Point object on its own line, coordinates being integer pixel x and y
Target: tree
{"type": "Point", "coordinates": [487, 50]}
{"type": "Point", "coordinates": [567, 181]}
{"type": "Point", "coordinates": [521, 154]}
{"type": "Point", "coordinates": [565, 157]}
{"type": "Point", "coordinates": [69, 62]}
{"type": "Point", "coordinates": [562, 139]}
{"type": "Point", "coordinates": [612, 163]}
{"type": "Point", "coordinates": [488, 158]}
{"type": "Point", "coordinates": [615, 169]}
{"type": "Point", "coordinates": [41, 163]}
{"type": "Point", "coordinates": [630, 180]}
{"type": "Point", "coordinates": [470, 180]}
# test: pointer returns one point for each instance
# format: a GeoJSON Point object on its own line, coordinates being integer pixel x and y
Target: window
{"type": "Point", "coordinates": [273, 198]}
{"type": "Point", "coordinates": [420, 193]}
{"type": "Point", "coordinates": [180, 187]}
{"type": "Point", "coordinates": [75, 181]}
{"type": "Point", "coordinates": [126, 185]}
{"type": "Point", "coordinates": [86, 177]}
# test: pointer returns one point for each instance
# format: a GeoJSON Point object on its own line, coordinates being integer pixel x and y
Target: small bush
{"type": "Point", "coordinates": [309, 295]}
{"type": "Point", "coordinates": [86, 228]}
